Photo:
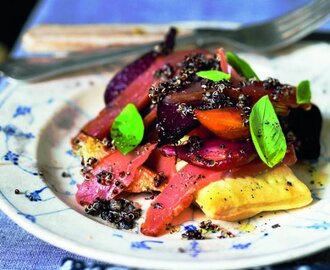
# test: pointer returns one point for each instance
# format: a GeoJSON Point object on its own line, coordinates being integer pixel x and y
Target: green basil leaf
{"type": "Point", "coordinates": [266, 132]}
{"type": "Point", "coordinates": [241, 66]}
{"type": "Point", "coordinates": [213, 75]}
{"type": "Point", "coordinates": [127, 129]}
{"type": "Point", "coordinates": [303, 92]}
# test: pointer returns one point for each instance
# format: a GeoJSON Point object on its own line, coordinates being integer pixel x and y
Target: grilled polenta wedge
{"type": "Point", "coordinates": [234, 199]}
{"type": "Point", "coordinates": [88, 147]}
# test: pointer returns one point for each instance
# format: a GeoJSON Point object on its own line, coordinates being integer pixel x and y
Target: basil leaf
{"type": "Point", "coordinates": [303, 92]}
{"type": "Point", "coordinates": [127, 129]}
{"type": "Point", "coordinates": [266, 132]}
{"type": "Point", "coordinates": [241, 66]}
{"type": "Point", "coordinates": [213, 75]}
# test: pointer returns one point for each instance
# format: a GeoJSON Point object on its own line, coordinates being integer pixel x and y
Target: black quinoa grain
{"type": "Point", "coordinates": [276, 226]}
{"type": "Point", "coordinates": [122, 213]}
{"type": "Point", "coordinates": [193, 234]}
{"type": "Point", "coordinates": [105, 178]}
{"type": "Point", "coordinates": [209, 226]}
{"type": "Point", "coordinates": [194, 143]}
{"type": "Point", "coordinates": [157, 206]}
{"type": "Point", "coordinates": [159, 179]}
{"type": "Point", "coordinates": [226, 234]}
{"type": "Point", "coordinates": [165, 72]}
{"type": "Point", "coordinates": [186, 76]}
{"type": "Point", "coordinates": [65, 174]}
{"type": "Point", "coordinates": [91, 161]}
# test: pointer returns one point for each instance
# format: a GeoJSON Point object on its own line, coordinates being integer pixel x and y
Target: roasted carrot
{"type": "Point", "coordinates": [226, 123]}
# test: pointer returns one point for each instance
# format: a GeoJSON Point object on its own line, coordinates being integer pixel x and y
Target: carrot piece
{"type": "Point", "coordinates": [201, 132]}
{"type": "Point", "coordinates": [226, 123]}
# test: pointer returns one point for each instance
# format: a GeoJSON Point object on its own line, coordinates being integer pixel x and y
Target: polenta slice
{"type": "Point", "coordinates": [88, 147]}
{"type": "Point", "coordinates": [234, 199]}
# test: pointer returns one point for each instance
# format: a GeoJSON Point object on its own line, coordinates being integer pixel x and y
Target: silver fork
{"type": "Point", "coordinates": [274, 34]}
{"type": "Point", "coordinates": [271, 35]}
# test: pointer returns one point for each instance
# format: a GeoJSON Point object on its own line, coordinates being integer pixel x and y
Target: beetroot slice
{"type": "Point", "coordinates": [171, 124]}
{"type": "Point", "coordinates": [174, 114]}
{"type": "Point", "coordinates": [306, 127]}
{"type": "Point", "coordinates": [214, 153]}
{"type": "Point", "coordinates": [124, 77]}
{"type": "Point", "coordinates": [128, 74]}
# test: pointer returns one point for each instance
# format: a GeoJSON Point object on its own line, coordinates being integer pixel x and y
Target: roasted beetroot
{"type": "Point", "coordinates": [303, 127]}
{"type": "Point", "coordinates": [128, 74]}
{"type": "Point", "coordinates": [172, 124]}
{"type": "Point", "coordinates": [213, 153]}
{"type": "Point", "coordinates": [175, 116]}
{"type": "Point", "coordinates": [122, 79]}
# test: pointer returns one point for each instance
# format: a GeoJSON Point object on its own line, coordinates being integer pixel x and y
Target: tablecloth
{"type": "Point", "coordinates": [21, 250]}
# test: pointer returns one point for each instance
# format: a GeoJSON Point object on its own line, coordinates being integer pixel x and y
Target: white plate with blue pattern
{"type": "Point", "coordinates": [37, 122]}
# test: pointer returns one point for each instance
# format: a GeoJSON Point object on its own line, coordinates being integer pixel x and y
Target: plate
{"type": "Point", "coordinates": [37, 121]}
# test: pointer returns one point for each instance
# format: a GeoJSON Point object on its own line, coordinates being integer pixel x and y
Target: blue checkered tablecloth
{"type": "Point", "coordinates": [21, 250]}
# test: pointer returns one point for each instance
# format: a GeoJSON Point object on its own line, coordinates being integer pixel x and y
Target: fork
{"type": "Point", "coordinates": [274, 34]}
{"type": "Point", "coordinates": [270, 35]}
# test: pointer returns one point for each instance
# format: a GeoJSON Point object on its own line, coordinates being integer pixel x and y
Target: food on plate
{"type": "Point", "coordinates": [199, 127]}
{"type": "Point", "coordinates": [238, 198]}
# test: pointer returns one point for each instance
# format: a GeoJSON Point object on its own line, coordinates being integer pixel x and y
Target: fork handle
{"type": "Point", "coordinates": [208, 36]}
{"type": "Point", "coordinates": [23, 69]}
